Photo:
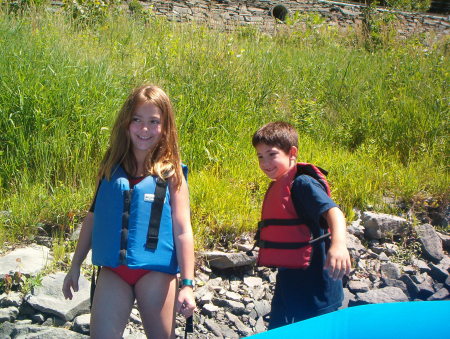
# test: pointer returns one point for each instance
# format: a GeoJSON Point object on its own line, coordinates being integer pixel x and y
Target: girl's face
{"type": "Point", "coordinates": [145, 129]}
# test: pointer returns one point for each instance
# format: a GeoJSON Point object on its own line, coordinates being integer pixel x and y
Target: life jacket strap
{"type": "Point", "coordinates": [280, 222]}
{"type": "Point", "coordinates": [290, 245]}
{"type": "Point", "coordinates": [156, 213]}
{"type": "Point", "coordinates": [124, 230]}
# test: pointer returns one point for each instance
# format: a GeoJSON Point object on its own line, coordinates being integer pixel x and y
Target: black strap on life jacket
{"type": "Point", "coordinates": [156, 213]}
{"type": "Point", "coordinates": [283, 245]}
{"type": "Point", "coordinates": [189, 326]}
{"type": "Point", "coordinates": [94, 279]}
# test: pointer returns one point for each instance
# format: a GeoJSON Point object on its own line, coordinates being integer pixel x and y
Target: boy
{"type": "Point", "coordinates": [316, 287]}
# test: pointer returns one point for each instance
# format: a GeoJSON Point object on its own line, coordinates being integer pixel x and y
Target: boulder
{"type": "Point", "coordinates": [431, 243]}
{"type": "Point", "coordinates": [379, 225]}
{"type": "Point", "coordinates": [48, 298]}
{"type": "Point", "coordinates": [222, 260]}
{"type": "Point", "coordinates": [382, 295]}
{"type": "Point", "coordinates": [28, 260]}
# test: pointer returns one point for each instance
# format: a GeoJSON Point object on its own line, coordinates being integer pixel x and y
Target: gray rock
{"type": "Point", "coordinates": [30, 331]}
{"type": "Point", "coordinates": [242, 329]}
{"type": "Point", "coordinates": [11, 299]}
{"type": "Point", "coordinates": [395, 283]}
{"type": "Point", "coordinates": [438, 272]}
{"type": "Point", "coordinates": [206, 298]}
{"type": "Point", "coordinates": [379, 225]}
{"type": "Point", "coordinates": [260, 326]}
{"type": "Point", "coordinates": [81, 324]}
{"type": "Point", "coordinates": [234, 306]}
{"type": "Point", "coordinates": [354, 244]}
{"type": "Point", "coordinates": [210, 309]}
{"type": "Point", "coordinates": [262, 307]}
{"type": "Point", "coordinates": [48, 298]}
{"type": "Point", "coordinates": [356, 228]}
{"type": "Point", "coordinates": [8, 313]}
{"type": "Point", "coordinates": [252, 281]}
{"type": "Point", "coordinates": [29, 260]}
{"type": "Point", "coordinates": [411, 285]}
{"type": "Point", "coordinates": [37, 318]}
{"type": "Point", "coordinates": [383, 295]}
{"type": "Point", "coordinates": [213, 327]}
{"type": "Point", "coordinates": [221, 260]}
{"type": "Point", "coordinates": [390, 270]}
{"type": "Point", "coordinates": [356, 286]}
{"type": "Point", "coordinates": [445, 241]}
{"type": "Point", "coordinates": [441, 294]}
{"type": "Point", "coordinates": [233, 296]}
{"type": "Point", "coordinates": [425, 290]}
{"type": "Point", "coordinates": [431, 243]}
{"type": "Point", "coordinates": [349, 298]}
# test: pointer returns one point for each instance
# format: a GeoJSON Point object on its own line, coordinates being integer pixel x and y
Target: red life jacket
{"type": "Point", "coordinates": [283, 237]}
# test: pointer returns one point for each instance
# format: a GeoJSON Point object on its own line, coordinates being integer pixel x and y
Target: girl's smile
{"type": "Point", "coordinates": [145, 129]}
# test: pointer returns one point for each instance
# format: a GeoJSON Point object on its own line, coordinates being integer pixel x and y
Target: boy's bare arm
{"type": "Point", "coordinates": [338, 259]}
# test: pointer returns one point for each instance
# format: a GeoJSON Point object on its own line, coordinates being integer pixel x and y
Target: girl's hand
{"type": "Point", "coordinates": [186, 302]}
{"type": "Point", "coordinates": [338, 261]}
{"type": "Point", "coordinates": [71, 282]}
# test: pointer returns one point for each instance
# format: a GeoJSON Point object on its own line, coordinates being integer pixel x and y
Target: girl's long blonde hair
{"type": "Point", "coordinates": [164, 159]}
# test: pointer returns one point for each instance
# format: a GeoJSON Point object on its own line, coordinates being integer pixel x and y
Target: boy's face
{"type": "Point", "coordinates": [273, 161]}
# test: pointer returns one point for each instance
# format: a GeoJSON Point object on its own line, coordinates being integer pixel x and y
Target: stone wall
{"type": "Point", "coordinates": [253, 12]}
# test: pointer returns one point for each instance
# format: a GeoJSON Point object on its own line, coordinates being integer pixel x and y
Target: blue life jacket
{"type": "Point", "coordinates": [121, 225]}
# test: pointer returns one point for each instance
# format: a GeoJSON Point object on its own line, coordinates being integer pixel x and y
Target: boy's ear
{"type": "Point", "coordinates": [293, 152]}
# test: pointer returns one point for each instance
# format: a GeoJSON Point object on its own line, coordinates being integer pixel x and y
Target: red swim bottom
{"type": "Point", "coordinates": [129, 275]}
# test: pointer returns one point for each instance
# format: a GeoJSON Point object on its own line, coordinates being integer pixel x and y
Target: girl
{"type": "Point", "coordinates": [139, 224]}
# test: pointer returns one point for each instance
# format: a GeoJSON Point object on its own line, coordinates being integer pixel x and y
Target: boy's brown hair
{"type": "Point", "coordinates": [279, 134]}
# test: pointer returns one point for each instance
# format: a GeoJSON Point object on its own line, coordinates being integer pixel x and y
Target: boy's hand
{"type": "Point", "coordinates": [338, 261]}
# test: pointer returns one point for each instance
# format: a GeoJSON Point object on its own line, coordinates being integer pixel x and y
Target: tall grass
{"type": "Point", "coordinates": [378, 121]}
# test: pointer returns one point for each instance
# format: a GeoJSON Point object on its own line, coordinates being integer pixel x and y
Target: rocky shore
{"type": "Point", "coordinates": [393, 262]}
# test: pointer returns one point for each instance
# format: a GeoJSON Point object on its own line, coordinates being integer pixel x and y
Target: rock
{"type": "Point", "coordinates": [213, 327]}
{"type": "Point", "coordinates": [221, 260]}
{"type": "Point", "coordinates": [210, 309]}
{"type": "Point", "coordinates": [356, 286]}
{"type": "Point", "coordinates": [383, 295]}
{"type": "Point", "coordinates": [349, 298]}
{"type": "Point", "coordinates": [242, 329]}
{"type": "Point", "coordinates": [17, 330]}
{"type": "Point", "coordinates": [356, 228]}
{"type": "Point", "coordinates": [431, 243]}
{"type": "Point", "coordinates": [81, 324]}
{"type": "Point", "coordinates": [262, 308]}
{"type": "Point", "coordinates": [8, 314]}
{"type": "Point", "coordinates": [48, 298]}
{"type": "Point", "coordinates": [438, 272]}
{"type": "Point", "coordinates": [29, 260]}
{"type": "Point", "coordinates": [379, 225]}
{"type": "Point", "coordinates": [260, 326]}
{"type": "Point", "coordinates": [445, 241]}
{"type": "Point", "coordinates": [252, 281]}
{"type": "Point", "coordinates": [441, 294]}
{"type": "Point", "coordinates": [38, 318]}
{"type": "Point", "coordinates": [354, 244]}
{"type": "Point", "coordinates": [11, 299]}
{"type": "Point", "coordinates": [395, 283]}
{"type": "Point", "coordinates": [390, 270]}
{"type": "Point", "coordinates": [234, 306]}
{"type": "Point", "coordinates": [233, 296]}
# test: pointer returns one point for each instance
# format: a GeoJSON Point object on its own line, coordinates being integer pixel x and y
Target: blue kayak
{"type": "Point", "coordinates": [415, 319]}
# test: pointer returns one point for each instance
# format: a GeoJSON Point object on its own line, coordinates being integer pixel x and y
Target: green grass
{"type": "Point", "coordinates": [377, 119]}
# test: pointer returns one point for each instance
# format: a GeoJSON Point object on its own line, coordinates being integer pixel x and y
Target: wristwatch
{"type": "Point", "coordinates": [187, 282]}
